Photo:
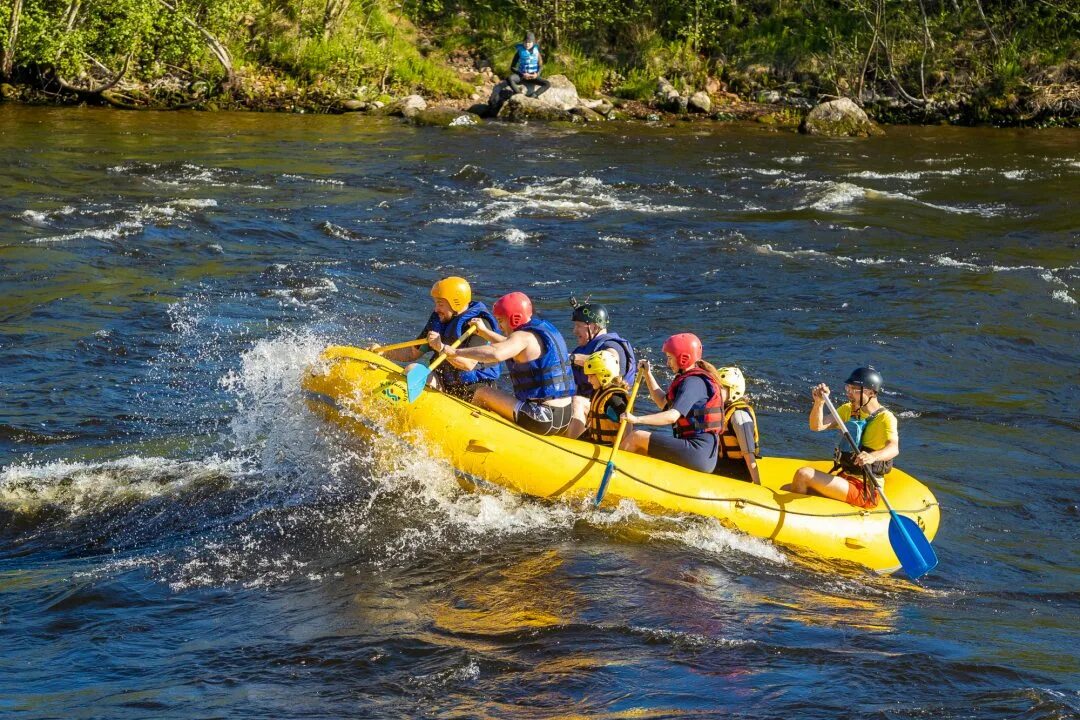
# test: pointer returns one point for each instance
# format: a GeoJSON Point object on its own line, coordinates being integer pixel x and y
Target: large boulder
{"type": "Point", "coordinates": [443, 117]}
{"type": "Point", "coordinates": [587, 114]}
{"type": "Point", "coordinates": [409, 106]}
{"type": "Point", "coordinates": [700, 102]}
{"type": "Point", "coordinates": [521, 108]}
{"type": "Point", "coordinates": [839, 118]}
{"type": "Point", "coordinates": [561, 95]}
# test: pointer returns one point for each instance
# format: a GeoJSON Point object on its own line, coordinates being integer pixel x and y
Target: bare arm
{"type": "Point", "coordinates": [404, 355]}
{"type": "Point", "coordinates": [817, 411]}
{"type": "Point", "coordinates": [494, 353]}
{"type": "Point", "coordinates": [659, 397]}
{"type": "Point", "coordinates": [660, 419]}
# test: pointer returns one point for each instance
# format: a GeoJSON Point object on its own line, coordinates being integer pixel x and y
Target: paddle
{"type": "Point", "coordinates": [610, 469]}
{"type": "Point", "coordinates": [417, 377]}
{"type": "Point", "coordinates": [398, 346]}
{"type": "Point", "coordinates": [906, 537]}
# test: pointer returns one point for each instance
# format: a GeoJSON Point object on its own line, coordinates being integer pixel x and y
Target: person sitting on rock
{"type": "Point", "coordinates": [454, 309]}
{"type": "Point", "coordinates": [609, 401]}
{"type": "Point", "coordinates": [526, 67]}
{"type": "Point", "coordinates": [539, 364]}
{"type": "Point", "coordinates": [591, 322]}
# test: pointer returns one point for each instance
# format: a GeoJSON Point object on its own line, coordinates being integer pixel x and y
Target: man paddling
{"type": "Point", "coordinates": [874, 430]}
{"type": "Point", "coordinates": [539, 364]}
{"type": "Point", "coordinates": [454, 310]}
{"type": "Point", "coordinates": [591, 321]}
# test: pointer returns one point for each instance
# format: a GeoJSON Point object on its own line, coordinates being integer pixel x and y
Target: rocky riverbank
{"type": "Point", "coordinates": [788, 107]}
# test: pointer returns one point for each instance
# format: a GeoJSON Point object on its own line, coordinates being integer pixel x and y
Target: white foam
{"type": "Point", "coordinates": [871, 175]}
{"type": "Point", "coordinates": [515, 236]}
{"type": "Point", "coordinates": [1015, 174]}
{"type": "Point", "coordinates": [1063, 296]}
{"type": "Point", "coordinates": [78, 488]}
{"type": "Point", "coordinates": [117, 230]}
{"type": "Point", "coordinates": [314, 181]}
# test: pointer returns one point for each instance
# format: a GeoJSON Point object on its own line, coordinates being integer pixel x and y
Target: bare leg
{"type": "Point", "coordinates": [497, 400]}
{"type": "Point", "coordinates": [636, 441]}
{"type": "Point", "coordinates": [807, 480]}
{"type": "Point", "coordinates": [579, 412]}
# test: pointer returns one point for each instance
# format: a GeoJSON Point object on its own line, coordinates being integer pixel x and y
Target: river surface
{"type": "Point", "coordinates": [180, 537]}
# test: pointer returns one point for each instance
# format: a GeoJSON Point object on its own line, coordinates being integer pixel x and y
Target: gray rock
{"type": "Point", "coordinates": [587, 115]}
{"type": "Point", "coordinates": [700, 102]}
{"type": "Point", "coordinates": [410, 105]}
{"type": "Point", "coordinates": [354, 106]}
{"type": "Point", "coordinates": [839, 118]}
{"type": "Point", "coordinates": [769, 97]}
{"type": "Point", "coordinates": [520, 108]}
{"type": "Point", "coordinates": [561, 96]}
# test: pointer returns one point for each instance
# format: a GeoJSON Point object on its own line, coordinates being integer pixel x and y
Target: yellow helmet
{"type": "Point", "coordinates": [732, 378]}
{"type": "Point", "coordinates": [455, 291]}
{"type": "Point", "coordinates": [602, 365]}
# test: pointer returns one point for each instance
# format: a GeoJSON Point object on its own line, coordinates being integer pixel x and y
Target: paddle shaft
{"type": "Point", "coordinates": [618, 440]}
{"type": "Point", "coordinates": [442, 356]}
{"type": "Point", "coordinates": [401, 345]}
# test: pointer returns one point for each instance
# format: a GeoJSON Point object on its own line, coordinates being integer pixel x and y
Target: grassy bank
{"type": "Point", "coordinates": [957, 60]}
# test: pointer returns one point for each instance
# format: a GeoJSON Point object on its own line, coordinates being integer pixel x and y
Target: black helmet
{"type": "Point", "coordinates": [865, 377]}
{"type": "Point", "coordinates": [591, 313]}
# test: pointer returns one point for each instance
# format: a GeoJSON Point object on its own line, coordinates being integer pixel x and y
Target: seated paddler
{"type": "Point", "coordinates": [739, 442]}
{"type": "Point", "coordinates": [591, 321]}
{"type": "Point", "coordinates": [538, 362]}
{"type": "Point", "coordinates": [454, 310]}
{"type": "Point", "coordinates": [693, 407]}
{"type": "Point", "coordinates": [610, 398]}
{"type": "Point", "coordinates": [526, 67]}
{"type": "Point", "coordinates": [854, 476]}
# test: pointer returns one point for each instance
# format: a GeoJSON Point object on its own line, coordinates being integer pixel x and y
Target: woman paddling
{"type": "Point", "coordinates": [693, 406]}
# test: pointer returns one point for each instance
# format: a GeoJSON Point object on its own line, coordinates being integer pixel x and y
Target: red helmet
{"type": "Point", "coordinates": [516, 307]}
{"type": "Point", "coordinates": [685, 347]}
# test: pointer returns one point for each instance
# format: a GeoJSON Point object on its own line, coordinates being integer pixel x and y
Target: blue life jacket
{"type": "Point", "coordinates": [550, 375]}
{"type": "Point", "coordinates": [451, 331]}
{"type": "Point", "coordinates": [603, 342]}
{"type": "Point", "coordinates": [527, 61]}
{"type": "Point", "coordinates": [843, 456]}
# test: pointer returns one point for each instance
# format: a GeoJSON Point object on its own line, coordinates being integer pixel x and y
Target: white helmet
{"type": "Point", "coordinates": [732, 378]}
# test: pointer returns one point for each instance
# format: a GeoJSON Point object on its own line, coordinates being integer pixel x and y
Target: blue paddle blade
{"type": "Point", "coordinates": [416, 381]}
{"type": "Point", "coordinates": [603, 483]}
{"type": "Point", "coordinates": [911, 547]}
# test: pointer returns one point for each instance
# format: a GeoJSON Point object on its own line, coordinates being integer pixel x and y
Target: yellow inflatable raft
{"type": "Point", "coordinates": [362, 392]}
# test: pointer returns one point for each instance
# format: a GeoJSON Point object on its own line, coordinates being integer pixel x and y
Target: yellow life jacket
{"type": "Point", "coordinates": [729, 441]}
{"type": "Point", "coordinates": [602, 429]}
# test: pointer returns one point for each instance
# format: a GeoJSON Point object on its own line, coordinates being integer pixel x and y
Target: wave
{"type": "Point", "coordinates": [830, 195]}
{"type": "Point", "coordinates": [577, 197]}
{"type": "Point", "coordinates": [134, 219]}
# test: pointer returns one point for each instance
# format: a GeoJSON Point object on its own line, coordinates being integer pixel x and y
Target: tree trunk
{"type": "Point", "coordinates": [7, 64]}
{"type": "Point", "coordinates": [216, 47]}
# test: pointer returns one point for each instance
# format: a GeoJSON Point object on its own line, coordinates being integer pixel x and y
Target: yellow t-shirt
{"type": "Point", "coordinates": [878, 432]}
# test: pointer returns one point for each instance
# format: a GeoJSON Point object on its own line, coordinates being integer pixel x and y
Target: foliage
{"type": "Point", "coordinates": [915, 49]}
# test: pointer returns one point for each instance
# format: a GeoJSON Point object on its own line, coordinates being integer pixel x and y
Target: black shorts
{"type": "Point", "coordinates": [542, 419]}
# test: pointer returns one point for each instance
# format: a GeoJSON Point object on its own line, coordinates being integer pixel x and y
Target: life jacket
{"type": "Point", "coordinates": [450, 331]}
{"type": "Point", "coordinates": [527, 61]}
{"type": "Point", "coordinates": [844, 459]}
{"type": "Point", "coordinates": [729, 441]}
{"type": "Point", "coordinates": [600, 342]}
{"type": "Point", "coordinates": [704, 417]}
{"type": "Point", "coordinates": [550, 375]}
{"type": "Point", "coordinates": [602, 429]}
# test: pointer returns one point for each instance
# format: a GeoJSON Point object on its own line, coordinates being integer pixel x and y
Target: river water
{"type": "Point", "coordinates": [180, 538]}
